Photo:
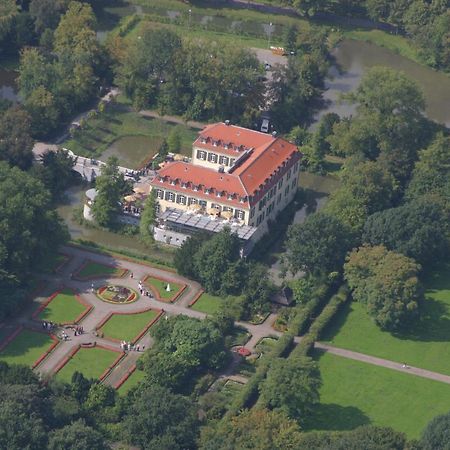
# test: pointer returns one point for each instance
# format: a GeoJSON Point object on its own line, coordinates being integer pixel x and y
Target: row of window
{"type": "Point", "coordinates": [184, 200]}
{"type": "Point", "coordinates": [214, 158]}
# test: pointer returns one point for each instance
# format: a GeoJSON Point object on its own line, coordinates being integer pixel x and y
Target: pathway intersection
{"type": "Point", "coordinates": [101, 310]}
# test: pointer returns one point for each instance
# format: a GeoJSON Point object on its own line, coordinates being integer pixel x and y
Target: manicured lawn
{"type": "Point", "coordinates": [91, 362]}
{"type": "Point", "coordinates": [26, 348]}
{"type": "Point", "coordinates": [127, 326]}
{"type": "Point", "coordinates": [93, 270]}
{"type": "Point", "coordinates": [427, 345]}
{"type": "Point", "coordinates": [355, 393]}
{"type": "Point", "coordinates": [160, 286]}
{"type": "Point", "coordinates": [207, 303]}
{"type": "Point", "coordinates": [64, 308]}
{"type": "Point", "coordinates": [135, 378]}
{"type": "Point", "coordinates": [127, 135]}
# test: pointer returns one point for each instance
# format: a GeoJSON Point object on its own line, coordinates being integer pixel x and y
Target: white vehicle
{"type": "Point", "coordinates": [265, 125]}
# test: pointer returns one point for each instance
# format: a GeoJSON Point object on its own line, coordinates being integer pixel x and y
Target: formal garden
{"type": "Point", "coordinates": [92, 270]}
{"type": "Point", "coordinates": [207, 303]}
{"type": "Point", "coordinates": [63, 307]}
{"type": "Point", "coordinates": [425, 345]}
{"type": "Point", "coordinates": [164, 290]}
{"type": "Point", "coordinates": [355, 393]}
{"type": "Point", "coordinates": [26, 348]}
{"type": "Point", "coordinates": [127, 327]}
{"type": "Point", "coordinates": [117, 294]}
{"type": "Point", "coordinates": [91, 362]}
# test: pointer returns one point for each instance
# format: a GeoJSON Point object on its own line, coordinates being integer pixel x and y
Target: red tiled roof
{"type": "Point", "coordinates": [264, 162]}
{"type": "Point", "coordinates": [268, 156]}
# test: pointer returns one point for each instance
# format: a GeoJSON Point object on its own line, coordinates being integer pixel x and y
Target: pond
{"type": "Point", "coordinates": [132, 151]}
{"type": "Point", "coordinates": [8, 88]}
{"type": "Point", "coordinates": [354, 58]}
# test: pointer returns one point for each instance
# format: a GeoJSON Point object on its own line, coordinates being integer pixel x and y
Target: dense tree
{"type": "Point", "coordinates": [76, 436]}
{"type": "Point", "coordinates": [56, 172]}
{"type": "Point", "coordinates": [292, 385]}
{"type": "Point", "coordinates": [365, 437]}
{"type": "Point", "coordinates": [255, 429]}
{"type": "Point", "coordinates": [319, 244]}
{"type": "Point", "coordinates": [436, 435]}
{"type": "Point", "coordinates": [111, 187]}
{"type": "Point", "coordinates": [30, 227]}
{"type": "Point", "coordinates": [174, 140]}
{"type": "Point", "coordinates": [148, 219]}
{"type": "Point", "coordinates": [419, 229]}
{"type": "Point", "coordinates": [389, 125]}
{"type": "Point", "coordinates": [387, 283]}
{"type": "Point", "coordinates": [213, 258]}
{"type": "Point", "coordinates": [366, 187]}
{"type": "Point", "coordinates": [47, 13]}
{"type": "Point", "coordinates": [431, 172]}
{"type": "Point", "coordinates": [183, 259]}
{"type": "Point", "coordinates": [156, 418]}
{"type": "Point", "coordinates": [16, 144]}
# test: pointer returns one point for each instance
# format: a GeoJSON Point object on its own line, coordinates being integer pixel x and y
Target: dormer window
{"type": "Point", "coordinates": [215, 143]}
{"type": "Point", "coordinates": [195, 187]}
{"type": "Point", "coordinates": [173, 182]}
{"type": "Point", "coordinates": [184, 185]}
{"type": "Point", "coordinates": [207, 191]}
{"type": "Point", "coordinates": [230, 196]}
{"type": "Point", "coordinates": [218, 194]}
{"type": "Point", "coordinates": [203, 140]}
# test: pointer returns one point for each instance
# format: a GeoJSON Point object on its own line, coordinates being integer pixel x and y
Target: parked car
{"type": "Point", "coordinates": [265, 125]}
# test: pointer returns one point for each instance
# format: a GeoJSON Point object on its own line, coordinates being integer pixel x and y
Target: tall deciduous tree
{"type": "Point", "coordinates": [436, 435]}
{"type": "Point", "coordinates": [387, 283]}
{"type": "Point", "coordinates": [292, 385]}
{"type": "Point", "coordinates": [255, 429]}
{"type": "Point", "coordinates": [148, 218]}
{"type": "Point", "coordinates": [319, 244]}
{"type": "Point", "coordinates": [76, 436]}
{"type": "Point", "coordinates": [16, 144]}
{"type": "Point", "coordinates": [156, 418]}
{"type": "Point", "coordinates": [111, 187]}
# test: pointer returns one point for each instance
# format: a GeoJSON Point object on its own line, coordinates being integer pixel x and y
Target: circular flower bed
{"type": "Point", "coordinates": [117, 294]}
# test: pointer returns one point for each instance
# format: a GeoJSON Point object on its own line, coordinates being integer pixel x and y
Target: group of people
{"type": "Point", "coordinates": [142, 291]}
{"type": "Point", "coordinates": [128, 346]}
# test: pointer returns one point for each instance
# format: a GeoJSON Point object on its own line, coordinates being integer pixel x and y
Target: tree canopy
{"type": "Point", "coordinates": [319, 244]}
{"type": "Point", "coordinates": [387, 283]}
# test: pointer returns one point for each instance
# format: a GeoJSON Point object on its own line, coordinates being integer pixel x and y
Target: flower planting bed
{"type": "Point", "coordinates": [64, 307]}
{"type": "Point", "coordinates": [91, 270]}
{"type": "Point", "coordinates": [117, 294]}
{"type": "Point", "coordinates": [95, 362]}
{"type": "Point", "coordinates": [27, 347]}
{"type": "Point", "coordinates": [159, 288]}
{"type": "Point", "coordinates": [128, 327]}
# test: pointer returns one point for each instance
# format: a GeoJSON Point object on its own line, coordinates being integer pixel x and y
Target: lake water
{"type": "Point", "coordinates": [354, 58]}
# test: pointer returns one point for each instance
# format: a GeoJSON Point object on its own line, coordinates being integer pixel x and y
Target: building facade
{"type": "Point", "coordinates": [237, 175]}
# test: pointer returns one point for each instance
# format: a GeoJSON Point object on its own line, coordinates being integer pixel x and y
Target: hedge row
{"type": "Point", "coordinates": [250, 391]}
{"type": "Point", "coordinates": [304, 312]}
{"type": "Point", "coordinates": [314, 333]}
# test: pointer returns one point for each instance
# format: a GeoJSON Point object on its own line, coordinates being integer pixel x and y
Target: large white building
{"type": "Point", "coordinates": [238, 177]}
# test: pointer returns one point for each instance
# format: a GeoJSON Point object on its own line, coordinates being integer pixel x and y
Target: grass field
{"type": "Point", "coordinates": [52, 263]}
{"type": "Point", "coordinates": [93, 270]}
{"type": "Point", "coordinates": [91, 362]}
{"type": "Point", "coordinates": [64, 308]}
{"type": "Point", "coordinates": [127, 326]}
{"type": "Point", "coordinates": [160, 286]}
{"type": "Point", "coordinates": [355, 393]}
{"type": "Point", "coordinates": [207, 303]}
{"type": "Point", "coordinates": [127, 135]}
{"type": "Point", "coordinates": [26, 348]}
{"type": "Point", "coordinates": [135, 378]}
{"type": "Point", "coordinates": [427, 345]}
